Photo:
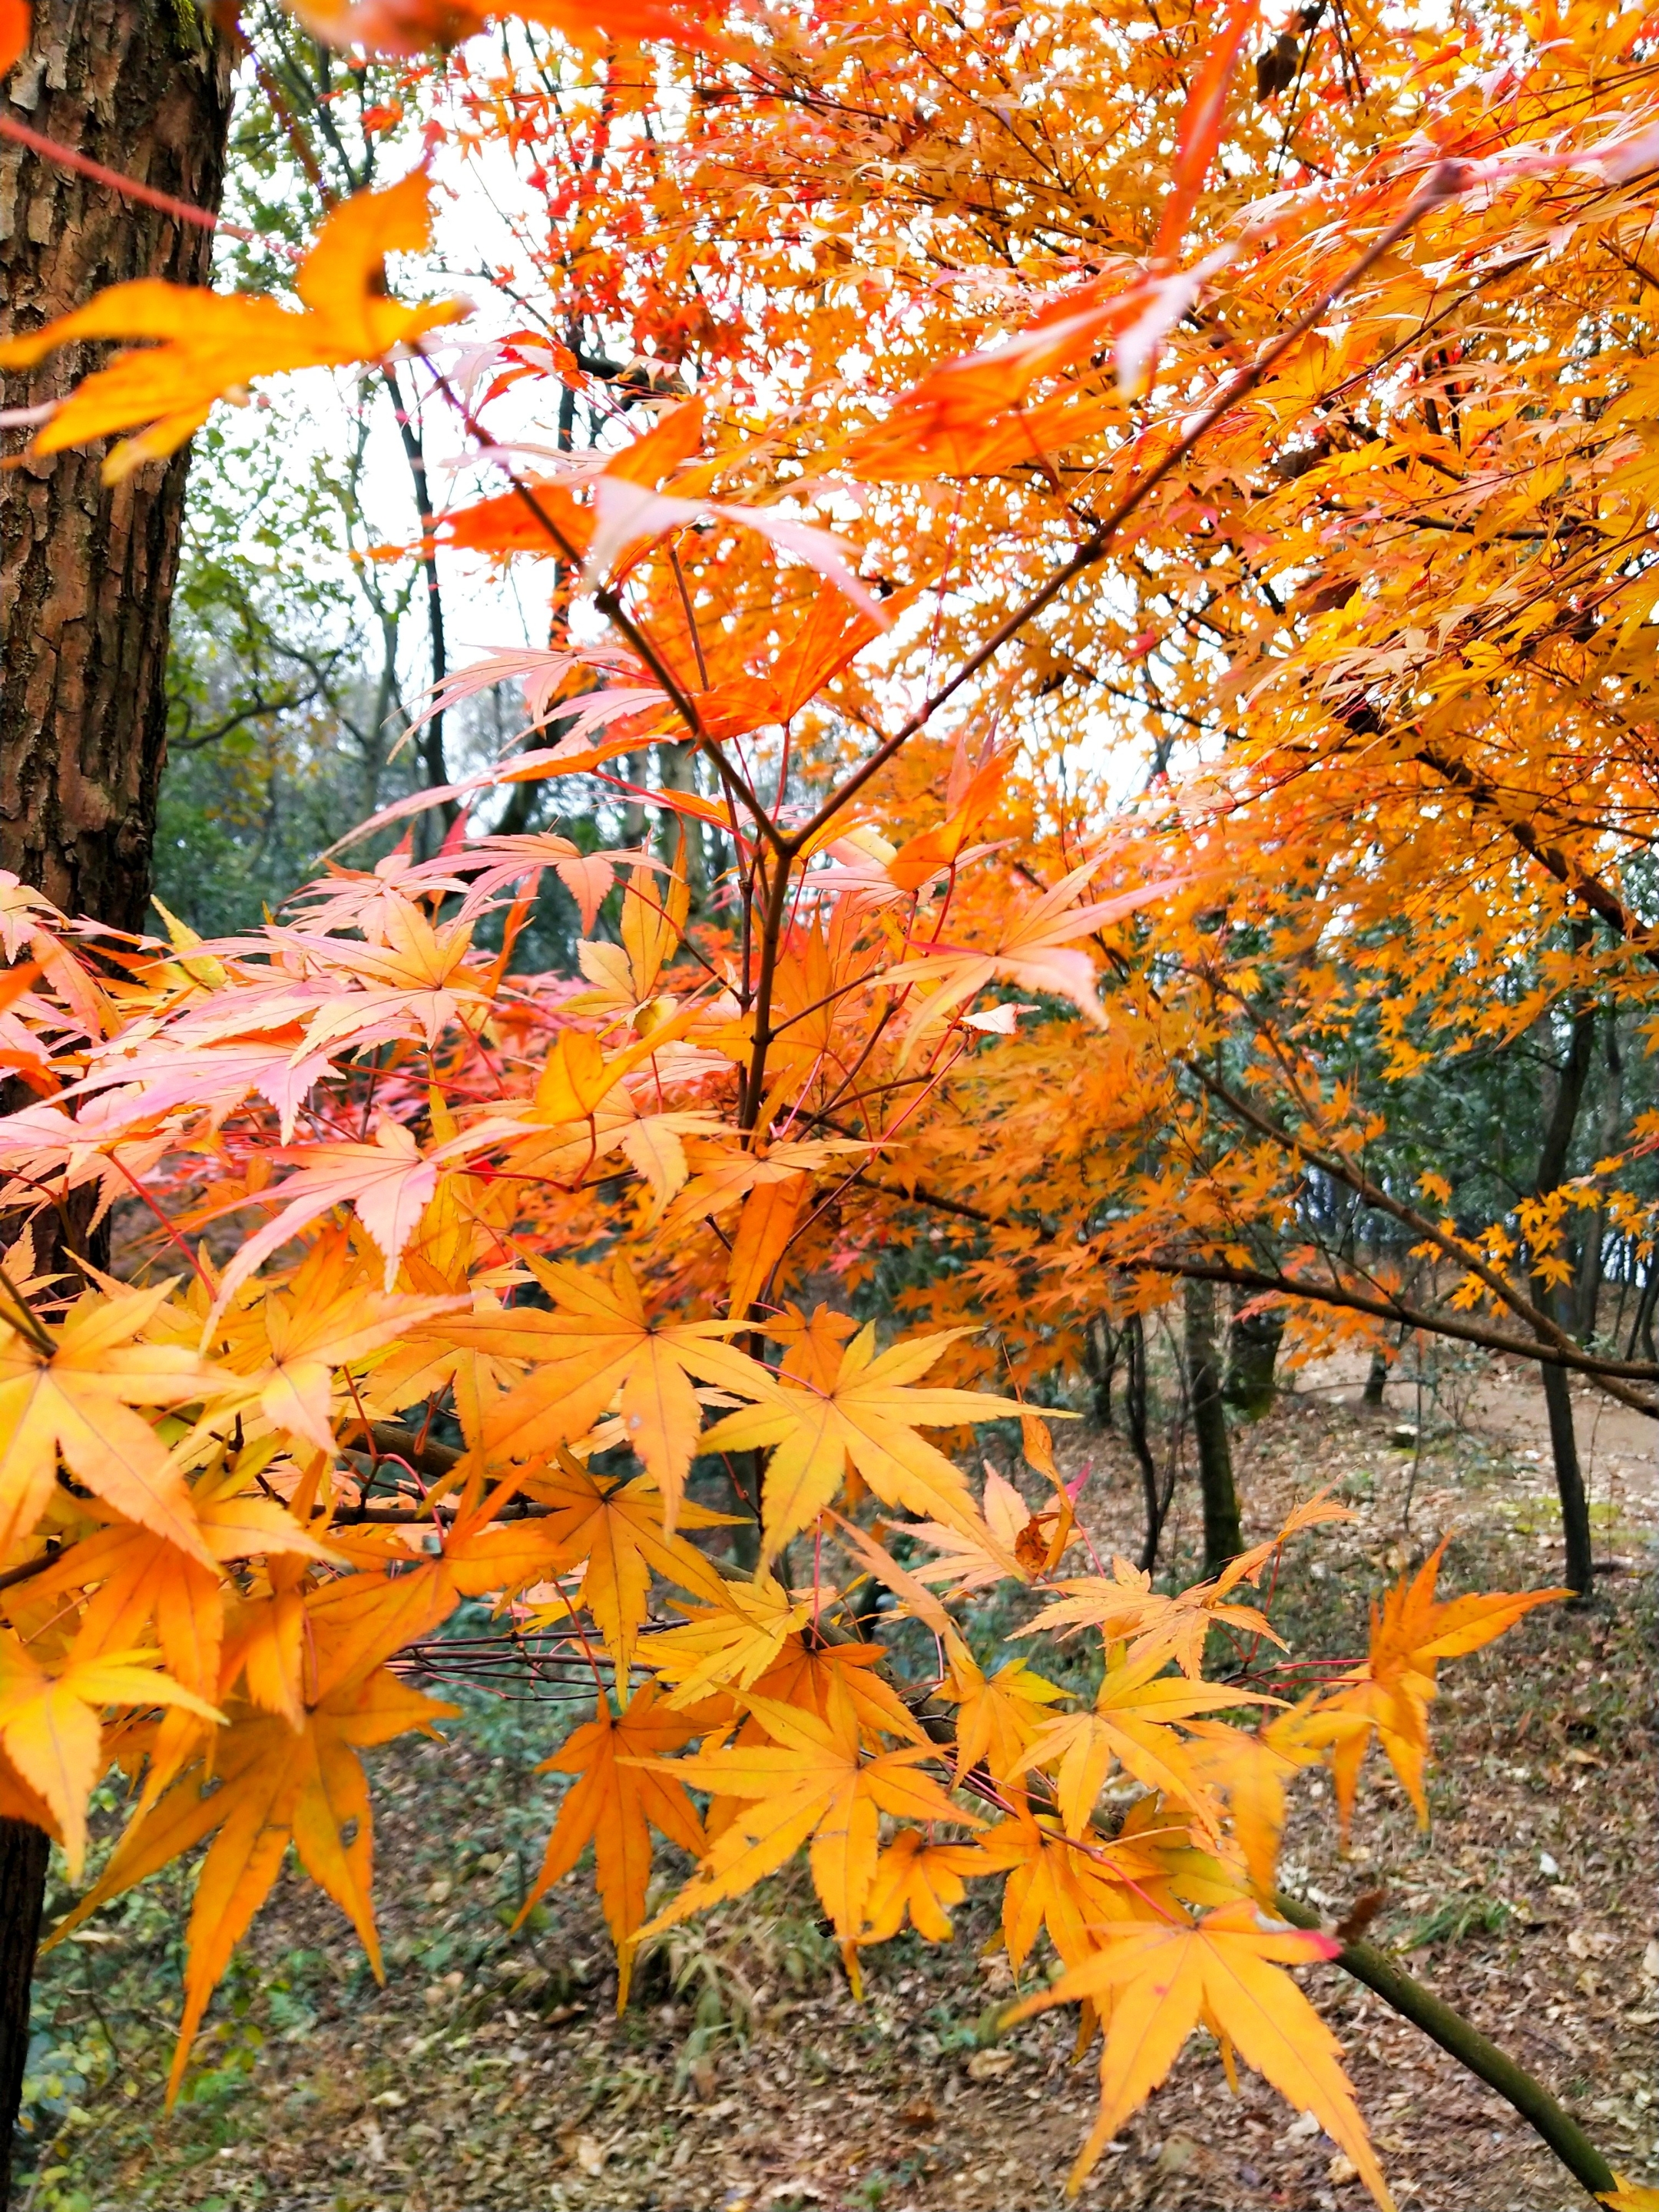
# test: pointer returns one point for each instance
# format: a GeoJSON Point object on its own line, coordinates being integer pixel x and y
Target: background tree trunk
{"type": "Point", "coordinates": [1253, 1342]}
{"type": "Point", "coordinates": [24, 1851]}
{"type": "Point", "coordinates": [1568, 1089]}
{"type": "Point", "coordinates": [1222, 1538]}
{"type": "Point", "coordinates": [86, 570]}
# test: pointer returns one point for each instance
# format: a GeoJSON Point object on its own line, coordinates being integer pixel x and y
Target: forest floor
{"type": "Point", "coordinates": [492, 2071]}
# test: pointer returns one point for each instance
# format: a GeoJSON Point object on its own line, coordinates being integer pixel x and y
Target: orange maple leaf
{"type": "Point", "coordinates": [1393, 1689]}
{"type": "Point", "coordinates": [921, 1879]}
{"type": "Point", "coordinates": [411, 27]}
{"type": "Point", "coordinates": [599, 1342]}
{"type": "Point", "coordinates": [614, 1806]}
{"type": "Point", "coordinates": [270, 1785]}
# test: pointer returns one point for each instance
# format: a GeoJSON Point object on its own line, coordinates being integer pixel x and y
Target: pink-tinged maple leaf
{"type": "Point", "coordinates": [388, 1184]}
{"type": "Point", "coordinates": [1037, 951]}
{"type": "Point", "coordinates": [163, 1075]}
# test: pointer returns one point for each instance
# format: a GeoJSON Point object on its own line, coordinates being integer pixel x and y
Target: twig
{"type": "Point", "coordinates": [1465, 2043]}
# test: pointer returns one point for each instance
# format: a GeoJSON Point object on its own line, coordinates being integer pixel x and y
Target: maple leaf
{"type": "Point", "coordinates": [812, 1348]}
{"type": "Point", "coordinates": [1126, 1609]}
{"type": "Point", "coordinates": [1068, 1885]}
{"type": "Point", "coordinates": [495, 862]}
{"type": "Point", "coordinates": [728, 1645]}
{"type": "Point", "coordinates": [869, 1416]}
{"type": "Point", "coordinates": [970, 796]}
{"type": "Point", "coordinates": [361, 1620]}
{"type": "Point", "coordinates": [1224, 1971]}
{"type": "Point", "coordinates": [307, 1338]}
{"type": "Point", "coordinates": [767, 1222]}
{"type": "Point", "coordinates": [388, 1184]}
{"type": "Point", "coordinates": [1000, 1713]}
{"type": "Point", "coordinates": [601, 1343]}
{"type": "Point", "coordinates": [628, 975]}
{"type": "Point", "coordinates": [411, 26]}
{"type": "Point", "coordinates": [139, 1581]}
{"type": "Point", "coordinates": [1129, 1725]}
{"type": "Point", "coordinates": [1411, 1633]}
{"type": "Point", "coordinates": [614, 1806]}
{"type": "Point", "coordinates": [967, 1563]}
{"type": "Point", "coordinates": [51, 1730]}
{"type": "Point", "coordinates": [921, 1880]}
{"type": "Point", "coordinates": [270, 1785]}
{"type": "Point", "coordinates": [617, 1530]}
{"type": "Point", "coordinates": [805, 1674]}
{"type": "Point", "coordinates": [69, 1389]}
{"type": "Point", "coordinates": [1312, 1513]}
{"type": "Point", "coordinates": [1253, 1771]}
{"type": "Point", "coordinates": [208, 344]}
{"type": "Point", "coordinates": [810, 1784]}
{"type": "Point", "coordinates": [1034, 948]}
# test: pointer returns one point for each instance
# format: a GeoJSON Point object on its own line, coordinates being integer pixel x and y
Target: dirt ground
{"type": "Point", "coordinates": [492, 2070]}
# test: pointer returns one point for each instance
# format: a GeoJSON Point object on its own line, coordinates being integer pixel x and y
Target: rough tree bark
{"type": "Point", "coordinates": [142, 88]}
{"type": "Point", "coordinates": [1222, 1540]}
{"type": "Point", "coordinates": [1253, 1342]}
{"type": "Point", "coordinates": [86, 570]}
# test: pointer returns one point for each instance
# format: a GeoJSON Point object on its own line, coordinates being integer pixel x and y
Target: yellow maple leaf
{"type": "Point", "coordinates": [69, 1389]}
{"type": "Point", "coordinates": [616, 1531]}
{"type": "Point", "coordinates": [1126, 1609]}
{"type": "Point", "coordinates": [1225, 1972]}
{"type": "Point", "coordinates": [208, 345]}
{"type": "Point", "coordinates": [730, 1645]}
{"type": "Point", "coordinates": [810, 1784]}
{"type": "Point", "coordinates": [52, 1731]}
{"type": "Point", "coordinates": [1130, 1726]}
{"type": "Point", "coordinates": [1000, 1713]}
{"type": "Point", "coordinates": [869, 1415]}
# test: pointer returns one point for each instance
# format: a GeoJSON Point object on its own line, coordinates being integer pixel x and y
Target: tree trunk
{"type": "Point", "coordinates": [1376, 1380]}
{"type": "Point", "coordinates": [1569, 1479]}
{"type": "Point", "coordinates": [1568, 1084]}
{"type": "Point", "coordinates": [86, 570]}
{"type": "Point", "coordinates": [1253, 1343]}
{"type": "Point", "coordinates": [1223, 1539]}
{"type": "Point", "coordinates": [1134, 1414]}
{"type": "Point", "coordinates": [24, 1851]}
{"type": "Point", "coordinates": [1610, 1127]}
{"type": "Point", "coordinates": [1101, 1344]}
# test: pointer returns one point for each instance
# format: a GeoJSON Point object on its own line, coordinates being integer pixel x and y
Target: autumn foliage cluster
{"type": "Point", "coordinates": [1280, 377]}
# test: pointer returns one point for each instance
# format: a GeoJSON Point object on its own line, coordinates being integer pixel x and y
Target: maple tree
{"type": "Point", "coordinates": [526, 1287]}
